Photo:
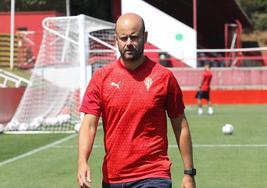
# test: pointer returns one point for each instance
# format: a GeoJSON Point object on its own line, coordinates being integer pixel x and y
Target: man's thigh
{"type": "Point", "coordinates": [145, 183]}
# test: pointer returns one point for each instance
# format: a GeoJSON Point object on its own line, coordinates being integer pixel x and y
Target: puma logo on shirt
{"type": "Point", "coordinates": [117, 85]}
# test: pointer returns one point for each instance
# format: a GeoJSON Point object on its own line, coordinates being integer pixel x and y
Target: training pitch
{"type": "Point", "coordinates": [222, 161]}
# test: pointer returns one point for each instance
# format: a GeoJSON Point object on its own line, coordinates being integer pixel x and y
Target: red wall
{"type": "Point", "coordinates": [228, 86]}
{"type": "Point", "coordinates": [223, 78]}
{"type": "Point", "coordinates": [9, 100]}
{"type": "Point", "coordinates": [30, 20]}
{"type": "Point", "coordinates": [249, 96]}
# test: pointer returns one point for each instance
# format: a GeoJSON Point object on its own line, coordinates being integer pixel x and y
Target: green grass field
{"type": "Point", "coordinates": [237, 161]}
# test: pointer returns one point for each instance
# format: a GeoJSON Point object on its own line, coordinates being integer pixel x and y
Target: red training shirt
{"type": "Point", "coordinates": [133, 105]}
{"type": "Point", "coordinates": [205, 85]}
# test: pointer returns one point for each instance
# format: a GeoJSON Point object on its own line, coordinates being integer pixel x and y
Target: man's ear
{"type": "Point", "coordinates": [145, 36]}
{"type": "Point", "coordinates": [116, 37]}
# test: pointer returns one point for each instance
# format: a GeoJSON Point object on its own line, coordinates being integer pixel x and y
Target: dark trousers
{"type": "Point", "coordinates": [145, 183]}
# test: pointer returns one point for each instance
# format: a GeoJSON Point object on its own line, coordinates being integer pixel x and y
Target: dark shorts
{"type": "Point", "coordinates": [203, 95]}
{"type": "Point", "coordinates": [145, 183]}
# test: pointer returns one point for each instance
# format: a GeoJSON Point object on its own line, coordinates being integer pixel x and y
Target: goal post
{"type": "Point", "coordinates": [72, 49]}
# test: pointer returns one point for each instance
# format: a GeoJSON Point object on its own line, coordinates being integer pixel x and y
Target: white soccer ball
{"type": "Point", "coordinates": [38, 120]}
{"type": "Point", "coordinates": [12, 125]}
{"type": "Point", "coordinates": [66, 118]}
{"type": "Point", "coordinates": [47, 121]}
{"type": "Point", "coordinates": [228, 129]}
{"type": "Point", "coordinates": [23, 127]}
{"type": "Point", "coordinates": [77, 127]}
{"type": "Point", "coordinates": [2, 128]}
{"type": "Point", "coordinates": [60, 120]}
{"type": "Point", "coordinates": [63, 118]}
{"type": "Point", "coordinates": [34, 125]}
{"type": "Point", "coordinates": [53, 121]}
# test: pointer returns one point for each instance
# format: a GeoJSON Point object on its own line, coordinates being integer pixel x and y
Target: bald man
{"type": "Point", "coordinates": [133, 95]}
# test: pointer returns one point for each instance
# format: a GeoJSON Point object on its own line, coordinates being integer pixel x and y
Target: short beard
{"type": "Point", "coordinates": [136, 56]}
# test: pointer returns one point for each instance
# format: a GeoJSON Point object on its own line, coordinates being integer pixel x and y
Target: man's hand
{"type": "Point", "coordinates": [84, 176]}
{"type": "Point", "coordinates": [188, 182]}
{"type": "Point", "coordinates": [86, 140]}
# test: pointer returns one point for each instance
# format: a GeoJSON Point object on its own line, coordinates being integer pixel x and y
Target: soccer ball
{"type": "Point", "coordinates": [228, 129]}
{"type": "Point", "coordinates": [63, 118]}
{"type": "Point", "coordinates": [12, 125]}
{"type": "Point", "coordinates": [38, 120]}
{"type": "Point", "coordinates": [23, 127]}
{"type": "Point", "coordinates": [77, 127]}
{"type": "Point", "coordinates": [50, 121]}
{"type": "Point", "coordinates": [2, 128]}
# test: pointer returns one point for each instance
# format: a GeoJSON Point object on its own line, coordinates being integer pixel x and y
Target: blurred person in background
{"type": "Point", "coordinates": [204, 90]}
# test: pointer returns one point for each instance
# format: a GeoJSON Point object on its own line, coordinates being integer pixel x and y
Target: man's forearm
{"type": "Point", "coordinates": [86, 138]}
{"type": "Point", "coordinates": [183, 139]}
{"type": "Point", "coordinates": [185, 144]}
{"type": "Point", "coordinates": [85, 144]}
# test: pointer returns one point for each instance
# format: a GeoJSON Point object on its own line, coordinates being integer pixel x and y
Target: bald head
{"type": "Point", "coordinates": [130, 21]}
{"type": "Point", "coordinates": [131, 38]}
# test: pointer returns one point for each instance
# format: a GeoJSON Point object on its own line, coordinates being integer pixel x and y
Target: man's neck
{"type": "Point", "coordinates": [132, 65]}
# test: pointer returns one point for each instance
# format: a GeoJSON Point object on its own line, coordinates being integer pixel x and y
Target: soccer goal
{"type": "Point", "coordinates": [72, 49]}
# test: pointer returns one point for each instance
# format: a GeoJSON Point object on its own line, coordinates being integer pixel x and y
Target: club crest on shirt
{"type": "Point", "coordinates": [148, 82]}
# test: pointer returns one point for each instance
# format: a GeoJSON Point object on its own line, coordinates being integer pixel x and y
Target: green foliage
{"type": "Point", "coordinates": [260, 21]}
{"type": "Point", "coordinates": [256, 11]}
{"type": "Point", "coordinates": [35, 5]}
{"type": "Point", "coordinates": [95, 8]}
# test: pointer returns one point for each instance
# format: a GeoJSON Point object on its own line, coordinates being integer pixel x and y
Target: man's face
{"type": "Point", "coordinates": [131, 42]}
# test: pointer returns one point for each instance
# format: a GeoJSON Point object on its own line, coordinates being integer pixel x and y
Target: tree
{"type": "Point", "coordinates": [34, 5]}
{"type": "Point", "coordinates": [96, 8]}
{"type": "Point", "coordinates": [256, 11]}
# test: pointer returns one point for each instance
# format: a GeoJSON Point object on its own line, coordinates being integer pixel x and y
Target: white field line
{"type": "Point", "coordinates": [195, 146]}
{"type": "Point", "coordinates": [36, 150]}
{"type": "Point", "coordinates": [226, 145]}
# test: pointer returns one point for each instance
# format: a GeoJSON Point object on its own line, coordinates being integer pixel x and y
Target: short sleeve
{"type": "Point", "coordinates": [174, 103]}
{"type": "Point", "coordinates": [91, 103]}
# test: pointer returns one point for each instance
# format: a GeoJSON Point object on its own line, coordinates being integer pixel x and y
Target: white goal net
{"type": "Point", "coordinates": [72, 49]}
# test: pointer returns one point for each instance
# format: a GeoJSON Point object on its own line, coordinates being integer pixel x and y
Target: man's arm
{"type": "Point", "coordinates": [201, 83]}
{"type": "Point", "coordinates": [86, 140]}
{"type": "Point", "coordinates": [184, 142]}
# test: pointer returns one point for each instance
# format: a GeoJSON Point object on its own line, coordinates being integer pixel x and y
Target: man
{"type": "Point", "coordinates": [204, 90]}
{"type": "Point", "coordinates": [133, 94]}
